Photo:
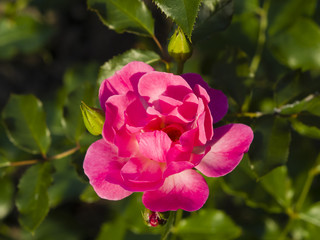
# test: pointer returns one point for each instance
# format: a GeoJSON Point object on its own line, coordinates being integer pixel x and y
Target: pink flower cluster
{"type": "Point", "coordinates": [158, 134]}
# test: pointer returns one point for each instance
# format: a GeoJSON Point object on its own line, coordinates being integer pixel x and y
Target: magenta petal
{"type": "Point", "coordinates": [141, 174]}
{"type": "Point", "coordinates": [228, 145]}
{"type": "Point", "coordinates": [123, 81]}
{"type": "Point", "coordinates": [218, 101]}
{"type": "Point", "coordinates": [155, 145]}
{"type": "Point", "coordinates": [186, 190]}
{"type": "Point", "coordinates": [154, 84]}
{"type": "Point", "coordinates": [101, 161]}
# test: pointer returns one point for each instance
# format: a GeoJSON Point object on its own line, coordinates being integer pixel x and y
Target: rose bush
{"type": "Point", "coordinates": [158, 132]}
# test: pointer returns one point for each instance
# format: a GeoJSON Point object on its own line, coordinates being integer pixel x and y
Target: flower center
{"type": "Point", "coordinates": [173, 131]}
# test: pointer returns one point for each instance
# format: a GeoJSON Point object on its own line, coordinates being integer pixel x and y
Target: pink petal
{"type": "Point", "coordinates": [154, 84]}
{"type": "Point", "coordinates": [126, 142]}
{"type": "Point", "coordinates": [228, 145]}
{"type": "Point", "coordinates": [141, 174]}
{"type": "Point", "coordinates": [101, 161]}
{"type": "Point", "coordinates": [189, 107]}
{"type": "Point", "coordinates": [123, 81]}
{"type": "Point", "coordinates": [218, 101]}
{"type": "Point", "coordinates": [186, 190]}
{"type": "Point", "coordinates": [154, 145]}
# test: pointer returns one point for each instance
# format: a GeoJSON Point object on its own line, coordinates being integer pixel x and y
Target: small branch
{"type": "Point", "coordinates": [66, 153]}
{"type": "Point", "coordinates": [34, 161]}
{"type": "Point", "coordinates": [158, 44]}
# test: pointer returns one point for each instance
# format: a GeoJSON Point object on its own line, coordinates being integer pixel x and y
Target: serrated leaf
{"type": "Point", "coordinates": [270, 147]}
{"type": "Point", "coordinates": [183, 12]}
{"type": "Point", "coordinates": [214, 16]}
{"type": "Point", "coordinates": [21, 34]}
{"type": "Point", "coordinates": [25, 123]}
{"type": "Point", "coordinates": [208, 224]}
{"type": "Point", "coordinates": [125, 15]}
{"type": "Point", "coordinates": [32, 200]}
{"type": "Point", "coordinates": [298, 50]}
{"type": "Point", "coordinates": [278, 184]}
{"type": "Point", "coordinates": [117, 62]}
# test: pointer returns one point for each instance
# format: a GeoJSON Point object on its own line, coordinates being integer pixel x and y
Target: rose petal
{"type": "Point", "coordinates": [122, 81]}
{"type": "Point", "coordinates": [141, 174]}
{"type": "Point", "coordinates": [154, 84]}
{"type": "Point", "coordinates": [126, 142]}
{"type": "Point", "coordinates": [186, 190]}
{"type": "Point", "coordinates": [101, 160]}
{"type": "Point", "coordinates": [228, 145]}
{"type": "Point", "coordinates": [218, 101]}
{"type": "Point", "coordinates": [155, 145]}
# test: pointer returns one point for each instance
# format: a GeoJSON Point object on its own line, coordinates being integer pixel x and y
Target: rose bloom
{"type": "Point", "coordinates": [158, 135]}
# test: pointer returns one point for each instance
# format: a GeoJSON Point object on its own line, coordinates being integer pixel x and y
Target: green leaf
{"type": "Point", "coordinates": [214, 16]}
{"type": "Point", "coordinates": [208, 224]}
{"type": "Point", "coordinates": [126, 15]}
{"type": "Point", "coordinates": [303, 230]}
{"type": "Point", "coordinates": [312, 215]}
{"type": "Point", "coordinates": [117, 62]}
{"type": "Point", "coordinates": [21, 34]}
{"type": "Point", "coordinates": [183, 12]}
{"type": "Point", "coordinates": [79, 85]}
{"type": "Point", "coordinates": [278, 184]}
{"type": "Point", "coordinates": [310, 104]}
{"type": "Point", "coordinates": [114, 230]}
{"type": "Point", "coordinates": [25, 124]}
{"type": "Point", "coordinates": [243, 183]}
{"type": "Point", "coordinates": [298, 50]}
{"type": "Point", "coordinates": [270, 147]}
{"type": "Point", "coordinates": [281, 13]}
{"type": "Point", "coordinates": [32, 200]}
{"type": "Point", "coordinates": [305, 130]}
{"type": "Point", "coordinates": [6, 196]}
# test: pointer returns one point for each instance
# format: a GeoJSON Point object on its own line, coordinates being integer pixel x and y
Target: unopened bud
{"type": "Point", "coordinates": [93, 119]}
{"type": "Point", "coordinates": [179, 46]}
{"type": "Point", "coordinates": [154, 219]}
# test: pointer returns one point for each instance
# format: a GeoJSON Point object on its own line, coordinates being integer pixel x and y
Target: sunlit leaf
{"type": "Point", "coordinates": [32, 200]}
{"type": "Point", "coordinates": [310, 104]}
{"type": "Point", "coordinates": [25, 123]}
{"type": "Point", "coordinates": [183, 12]}
{"type": "Point", "coordinates": [298, 50]}
{"type": "Point", "coordinates": [208, 224]}
{"type": "Point", "coordinates": [125, 15]}
{"type": "Point", "coordinates": [312, 215]}
{"type": "Point", "coordinates": [117, 62]}
{"type": "Point", "coordinates": [6, 196]}
{"type": "Point", "coordinates": [305, 130]}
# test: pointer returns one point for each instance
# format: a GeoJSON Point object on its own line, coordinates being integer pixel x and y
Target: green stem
{"type": "Point", "coordinates": [286, 230]}
{"type": "Point", "coordinates": [180, 68]}
{"type": "Point", "coordinates": [261, 39]}
{"type": "Point", "coordinates": [173, 221]}
{"type": "Point", "coordinates": [155, 39]}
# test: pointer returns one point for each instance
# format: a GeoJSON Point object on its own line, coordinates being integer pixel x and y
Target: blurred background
{"type": "Point", "coordinates": [264, 55]}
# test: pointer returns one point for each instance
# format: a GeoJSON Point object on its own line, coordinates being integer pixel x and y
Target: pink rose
{"type": "Point", "coordinates": [158, 132]}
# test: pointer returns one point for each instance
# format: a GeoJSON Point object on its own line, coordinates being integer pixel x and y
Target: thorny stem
{"type": "Point", "coordinates": [34, 161]}
{"type": "Point", "coordinates": [261, 38]}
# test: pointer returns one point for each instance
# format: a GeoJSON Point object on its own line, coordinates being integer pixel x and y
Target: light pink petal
{"type": "Point", "coordinates": [101, 160]}
{"type": "Point", "coordinates": [186, 190]}
{"type": "Point", "coordinates": [141, 174]}
{"type": "Point", "coordinates": [228, 145]}
{"type": "Point", "coordinates": [154, 84]}
{"type": "Point", "coordinates": [123, 81]}
{"type": "Point", "coordinates": [154, 145]}
{"type": "Point", "coordinates": [218, 101]}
